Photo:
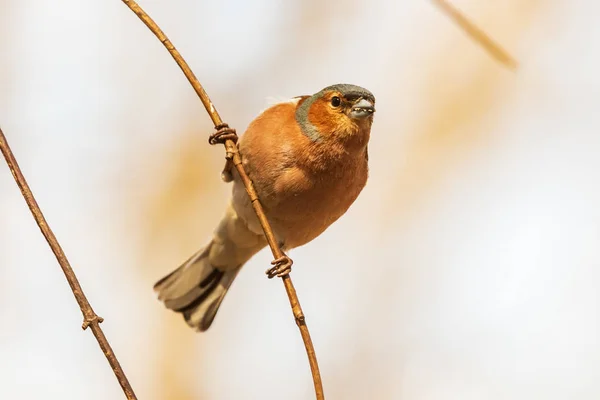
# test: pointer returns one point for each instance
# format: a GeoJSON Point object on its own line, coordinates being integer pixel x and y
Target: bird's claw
{"type": "Point", "coordinates": [282, 266]}
{"type": "Point", "coordinates": [223, 133]}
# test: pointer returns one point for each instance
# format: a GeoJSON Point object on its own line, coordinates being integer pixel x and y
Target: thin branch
{"type": "Point", "coordinates": [90, 318]}
{"type": "Point", "coordinates": [234, 156]}
{"type": "Point", "coordinates": [477, 34]}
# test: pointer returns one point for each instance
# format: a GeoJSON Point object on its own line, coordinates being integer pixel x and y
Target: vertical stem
{"type": "Point", "coordinates": [231, 148]}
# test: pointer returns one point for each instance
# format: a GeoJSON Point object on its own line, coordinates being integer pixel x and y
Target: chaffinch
{"type": "Point", "coordinates": [307, 158]}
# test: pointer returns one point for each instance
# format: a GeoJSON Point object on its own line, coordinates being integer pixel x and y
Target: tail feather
{"type": "Point", "coordinates": [196, 289]}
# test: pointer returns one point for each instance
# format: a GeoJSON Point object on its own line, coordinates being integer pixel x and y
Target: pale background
{"type": "Point", "coordinates": [469, 268]}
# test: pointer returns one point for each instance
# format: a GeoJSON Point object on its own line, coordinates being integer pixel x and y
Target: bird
{"type": "Point", "coordinates": [308, 160]}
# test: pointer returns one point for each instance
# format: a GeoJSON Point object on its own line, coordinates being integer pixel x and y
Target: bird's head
{"type": "Point", "coordinates": [341, 110]}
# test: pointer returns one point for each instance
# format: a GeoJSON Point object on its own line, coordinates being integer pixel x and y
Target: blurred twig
{"type": "Point", "coordinates": [478, 35]}
{"type": "Point", "coordinates": [90, 318]}
{"type": "Point", "coordinates": [234, 156]}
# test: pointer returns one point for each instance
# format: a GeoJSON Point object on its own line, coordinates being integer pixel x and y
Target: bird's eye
{"type": "Point", "coordinates": [335, 101]}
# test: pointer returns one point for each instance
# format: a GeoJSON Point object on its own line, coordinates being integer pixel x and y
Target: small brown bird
{"type": "Point", "coordinates": [307, 158]}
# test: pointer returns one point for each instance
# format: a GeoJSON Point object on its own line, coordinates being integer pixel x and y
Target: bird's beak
{"type": "Point", "coordinates": [362, 109]}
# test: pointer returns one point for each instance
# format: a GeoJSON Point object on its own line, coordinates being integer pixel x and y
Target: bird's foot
{"type": "Point", "coordinates": [281, 267]}
{"type": "Point", "coordinates": [223, 134]}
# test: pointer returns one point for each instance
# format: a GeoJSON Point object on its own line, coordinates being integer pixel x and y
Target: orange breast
{"type": "Point", "coordinates": [303, 185]}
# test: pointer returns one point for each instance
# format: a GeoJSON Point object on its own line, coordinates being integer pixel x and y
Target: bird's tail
{"type": "Point", "coordinates": [197, 288]}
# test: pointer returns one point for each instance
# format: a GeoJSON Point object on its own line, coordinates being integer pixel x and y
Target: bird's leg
{"type": "Point", "coordinates": [282, 266]}
{"type": "Point", "coordinates": [227, 173]}
{"type": "Point", "coordinates": [223, 134]}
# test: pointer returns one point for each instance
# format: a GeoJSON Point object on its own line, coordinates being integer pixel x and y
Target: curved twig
{"type": "Point", "coordinates": [90, 318]}
{"type": "Point", "coordinates": [234, 156]}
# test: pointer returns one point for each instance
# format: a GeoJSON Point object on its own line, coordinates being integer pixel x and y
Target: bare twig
{"type": "Point", "coordinates": [234, 156]}
{"type": "Point", "coordinates": [90, 318]}
{"type": "Point", "coordinates": [478, 35]}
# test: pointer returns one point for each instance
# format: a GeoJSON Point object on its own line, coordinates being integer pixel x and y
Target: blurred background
{"type": "Point", "coordinates": [469, 268]}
